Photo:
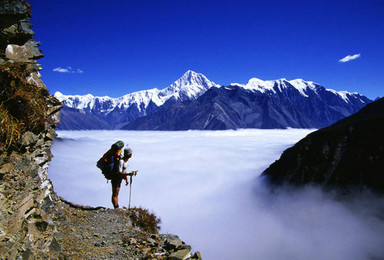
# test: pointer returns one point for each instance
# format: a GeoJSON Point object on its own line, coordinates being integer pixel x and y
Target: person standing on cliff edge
{"type": "Point", "coordinates": [109, 164]}
{"type": "Point", "coordinates": [114, 167]}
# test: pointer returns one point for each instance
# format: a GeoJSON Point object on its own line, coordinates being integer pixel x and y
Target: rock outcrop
{"type": "Point", "coordinates": [348, 155]}
{"type": "Point", "coordinates": [26, 195]}
{"type": "Point", "coordinates": [35, 223]}
{"type": "Point", "coordinates": [100, 233]}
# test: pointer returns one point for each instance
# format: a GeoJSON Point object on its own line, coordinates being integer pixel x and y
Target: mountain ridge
{"type": "Point", "coordinates": [117, 113]}
{"type": "Point", "coordinates": [189, 85]}
{"type": "Point", "coordinates": [347, 154]}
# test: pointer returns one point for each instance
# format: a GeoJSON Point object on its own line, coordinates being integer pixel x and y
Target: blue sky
{"type": "Point", "coordinates": [117, 47]}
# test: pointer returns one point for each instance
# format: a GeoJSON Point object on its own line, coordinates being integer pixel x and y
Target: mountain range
{"type": "Point", "coordinates": [194, 102]}
{"type": "Point", "coordinates": [90, 112]}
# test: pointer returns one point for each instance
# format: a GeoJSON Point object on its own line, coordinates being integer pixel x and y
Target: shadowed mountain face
{"type": "Point", "coordinates": [348, 153]}
{"type": "Point", "coordinates": [235, 106]}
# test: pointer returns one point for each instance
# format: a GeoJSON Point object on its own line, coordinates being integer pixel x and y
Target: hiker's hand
{"type": "Point", "coordinates": [126, 183]}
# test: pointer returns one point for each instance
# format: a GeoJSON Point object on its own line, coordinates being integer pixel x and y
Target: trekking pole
{"type": "Point", "coordinates": [130, 191]}
{"type": "Point", "coordinates": [130, 187]}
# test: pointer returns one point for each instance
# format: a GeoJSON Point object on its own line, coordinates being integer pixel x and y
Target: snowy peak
{"type": "Point", "coordinates": [192, 78]}
{"type": "Point", "coordinates": [300, 86]}
{"type": "Point", "coordinates": [87, 102]}
{"type": "Point", "coordinates": [274, 86]}
{"type": "Point", "coordinates": [260, 85]}
{"type": "Point", "coordinates": [190, 86]}
{"type": "Point", "coordinates": [279, 85]}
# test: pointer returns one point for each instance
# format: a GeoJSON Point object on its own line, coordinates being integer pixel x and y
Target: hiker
{"type": "Point", "coordinates": [109, 164]}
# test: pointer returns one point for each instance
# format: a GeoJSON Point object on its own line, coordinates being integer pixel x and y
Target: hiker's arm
{"type": "Point", "coordinates": [129, 173]}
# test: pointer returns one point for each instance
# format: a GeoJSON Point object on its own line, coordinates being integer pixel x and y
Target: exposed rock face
{"type": "Point", "coordinates": [34, 222]}
{"type": "Point", "coordinates": [348, 154]}
{"type": "Point", "coordinates": [26, 195]}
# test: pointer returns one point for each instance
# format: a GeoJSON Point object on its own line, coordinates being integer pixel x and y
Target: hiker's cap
{"type": "Point", "coordinates": [127, 152]}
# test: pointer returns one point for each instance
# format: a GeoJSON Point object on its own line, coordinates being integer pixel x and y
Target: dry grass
{"type": "Point", "coordinates": [147, 221]}
{"type": "Point", "coordinates": [22, 105]}
{"type": "Point", "coordinates": [10, 129]}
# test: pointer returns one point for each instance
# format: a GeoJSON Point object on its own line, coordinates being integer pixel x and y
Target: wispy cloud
{"type": "Point", "coordinates": [67, 70]}
{"type": "Point", "coordinates": [349, 58]}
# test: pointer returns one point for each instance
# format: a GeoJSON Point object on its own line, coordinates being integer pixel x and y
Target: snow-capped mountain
{"type": "Point", "coordinates": [117, 111]}
{"type": "Point", "coordinates": [257, 104]}
{"type": "Point", "coordinates": [283, 86]}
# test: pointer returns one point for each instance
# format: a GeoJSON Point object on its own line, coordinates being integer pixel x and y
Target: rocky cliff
{"type": "Point", "coordinates": [349, 154]}
{"type": "Point", "coordinates": [35, 223]}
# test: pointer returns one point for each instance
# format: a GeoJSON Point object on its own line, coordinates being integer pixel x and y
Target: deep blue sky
{"type": "Point", "coordinates": [122, 46]}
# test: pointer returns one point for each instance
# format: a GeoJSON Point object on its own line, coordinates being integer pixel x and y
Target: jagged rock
{"type": "Point", "coordinates": [26, 205]}
{"type": "Point", "coordinates": [11, 7]}
{"type": "Point", "coordinates": [23, 53]}
{"type": "Point", "coordinates": [18, 33]}
{"type": "Point", "coordinates": [197, 256]}
{"type": "Point", "coordinates": [28, 138]}
{"type": "Point", "coordinates": [6, 168]}
{"type": "Point", "coordinates": [50, 135]}
{"type": "Point", "coordinates": [53, 111]}
{"type": "Point", "coordinates": [180, 255]}
{"type": "Point", "coordinates": [174, 243]}
{"type": "Point", "coordinates": [11, 30]}
{"type": "Point", "coordinates": [25, 28]}
{"type": "Point", "coordinates": [54, 107]}
{"type": "Point", "coordinates": [35, 78]}
{"type": "Point", "coordinates": [54, 118]}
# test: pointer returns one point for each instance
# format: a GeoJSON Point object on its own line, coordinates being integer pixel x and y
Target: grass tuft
{"type": "Point", "coordinates": [147, 221]}
{"type": "Point", "coordinates": [23, 106]}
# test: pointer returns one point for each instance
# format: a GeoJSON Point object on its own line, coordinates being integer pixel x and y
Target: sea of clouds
{"type": "Point", "coordinates": [205, 186]}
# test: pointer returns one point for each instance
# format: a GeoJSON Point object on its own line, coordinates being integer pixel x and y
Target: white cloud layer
{"type": "Point", "coordinates": [67, 70]}
{"type": "Point", "coordinates": [349, 58]}
{"type": "Point", "coordinates": [205, 187]}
